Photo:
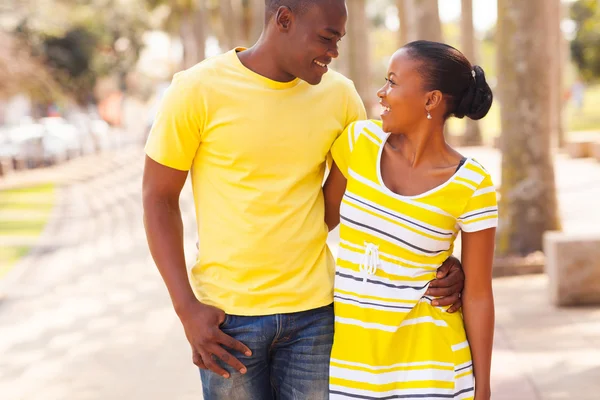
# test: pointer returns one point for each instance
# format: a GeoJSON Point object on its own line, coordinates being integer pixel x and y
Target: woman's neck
{"type": "Point", "coordinates": [422, 146]}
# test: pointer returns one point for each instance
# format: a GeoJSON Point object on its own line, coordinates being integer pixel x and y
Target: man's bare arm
{"type": "Point", "coordinates": [164, 231]}
{"type": "Point", "coordinates": [333, 190]}
{"type": "Point", "coordinates": [164, 228]}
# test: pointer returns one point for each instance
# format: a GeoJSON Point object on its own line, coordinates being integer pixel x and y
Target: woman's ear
{"type": "Point", "coordinates": [434, 100]}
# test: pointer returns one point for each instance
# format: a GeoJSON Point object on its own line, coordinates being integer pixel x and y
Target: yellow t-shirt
{"type": "Point", "coordinates": [257, 151]}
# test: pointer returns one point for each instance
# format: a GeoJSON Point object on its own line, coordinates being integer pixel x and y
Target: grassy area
{"type": "Point", "coordinates": [24, 212]}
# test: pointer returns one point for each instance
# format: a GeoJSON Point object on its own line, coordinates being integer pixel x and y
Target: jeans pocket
{"type": "Point", "coordinates": [225, 321]}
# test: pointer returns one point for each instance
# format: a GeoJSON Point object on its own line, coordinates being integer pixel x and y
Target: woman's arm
{"type": "Point", "coordinates": [334, 189]}
{"type": "Point", "coordinates": [478, 304]}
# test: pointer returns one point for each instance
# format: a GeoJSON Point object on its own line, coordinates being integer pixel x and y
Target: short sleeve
{"type": "Point", "coordinates": [481, 211]}
{"type": "Point", "coordinates": [177, 129]}
{"type": "Point", "coordinates": [342, 148]}
{"type": "Point", "coordinates": [356, 108]}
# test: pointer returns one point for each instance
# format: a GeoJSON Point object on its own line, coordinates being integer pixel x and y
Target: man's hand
{"type": "Point", "coordinates": [448, 285]}
{"type": "Point", "coordinates": [201, 324]}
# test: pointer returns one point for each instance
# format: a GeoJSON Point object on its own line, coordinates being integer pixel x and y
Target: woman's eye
{"type": "Point", "coordinates": [390, 81]}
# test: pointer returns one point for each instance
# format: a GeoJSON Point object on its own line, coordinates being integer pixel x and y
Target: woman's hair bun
{"type": "Point", "coordinates": [477, 100]}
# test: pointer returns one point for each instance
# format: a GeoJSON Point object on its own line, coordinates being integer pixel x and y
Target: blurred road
{"type": "Point", "coordinates": [87, 316]}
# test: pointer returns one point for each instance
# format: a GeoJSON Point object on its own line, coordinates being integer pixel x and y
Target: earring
{"type": "Point", "coordinates": [428, 115]}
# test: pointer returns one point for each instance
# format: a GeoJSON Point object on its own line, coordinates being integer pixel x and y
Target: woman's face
{"type": "Point", "coordinates": [402, 98]}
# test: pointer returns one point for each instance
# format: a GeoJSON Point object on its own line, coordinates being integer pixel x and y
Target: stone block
{"type": "Point", "coordinates": [596, 151]}
{"type": "Point", "coordinates": [573, 268]}
{"type": "Point", "coordinates": [579, 149]}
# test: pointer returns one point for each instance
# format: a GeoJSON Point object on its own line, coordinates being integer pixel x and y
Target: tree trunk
{"type": "Point", "coordinates": [200, 30]}
{"type": "Point", "coordinates": [188, 41]}
{"type": "Point", "coordinates": [358, 51]}
{"type": "Point", "coordinates": [427, 20]}
{"type": "Point", "coordinates": [229, 14]}
{"type": "Point", "coordinates": [472, 135]}
{"type": "Point", "coordinates": [556, 48]}
{"type": "Point", "coordinates": [528, 205]}
{"type": "Point", "coordinates": [257, 19]}
{"type": "Point", "coordinates": [404, 16]}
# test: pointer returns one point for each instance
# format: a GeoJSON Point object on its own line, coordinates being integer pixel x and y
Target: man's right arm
{"type": "Point", "coordinates": [162, 186]}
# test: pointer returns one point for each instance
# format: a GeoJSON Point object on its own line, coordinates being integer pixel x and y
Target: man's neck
{"type": "Point", "coordinates": [262, 59]}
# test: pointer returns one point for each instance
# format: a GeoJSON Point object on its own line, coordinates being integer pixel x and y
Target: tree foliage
{"type": "Point", "coordinates": [585, 48]}
{"type": "Point", "coordinates": [85, 40]}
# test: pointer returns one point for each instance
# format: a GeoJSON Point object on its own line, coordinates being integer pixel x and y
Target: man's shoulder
{"type": "Point", "coordinates": [205, 71]}
{"type": "Point", "coordinates": [337, 79]}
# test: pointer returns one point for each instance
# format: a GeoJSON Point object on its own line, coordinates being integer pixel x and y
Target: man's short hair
{"type": "Point", "coordinates": [297, 6]}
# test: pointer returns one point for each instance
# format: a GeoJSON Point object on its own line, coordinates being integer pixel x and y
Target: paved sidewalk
{"type": "Point", "coordinates": [89, 317]}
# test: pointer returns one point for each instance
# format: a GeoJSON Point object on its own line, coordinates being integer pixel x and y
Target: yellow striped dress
{"type": "Point", "coordinates": [390, 342]}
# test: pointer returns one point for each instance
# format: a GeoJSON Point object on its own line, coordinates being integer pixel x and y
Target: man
{"type": "Point", "coordinates": [255, 127]}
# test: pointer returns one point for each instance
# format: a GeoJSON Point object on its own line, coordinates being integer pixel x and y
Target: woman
{"type": "Point", "coordinates": [405, 194]}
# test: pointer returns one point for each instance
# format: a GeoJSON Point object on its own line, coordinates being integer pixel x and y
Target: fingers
{"type": "Point", "coordinates": [456, 306]}
{"type": "Point", "coordinates": [443, 271]}
{"type": "Point", "coordinates": [197, 360]}
{"type": "Point", "coordinates": [444, 292]}
{"type": "Point", "coordinates": [211, 364]}
{"type": "Point", "coordinates": [233, 344]}
{"type": "Point", "coordinates": [454, 277]}
{"type": "Point", "coordinates": [228, 359]}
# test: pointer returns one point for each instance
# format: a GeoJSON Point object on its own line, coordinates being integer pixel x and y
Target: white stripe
{"type": "Point", "coordinates": [423, 320]}
{"type": "Point", "coordinates": [366, 325]}
{"type": "Point", "coordinates": [369, 289]}
{"type": "Point", "coordinates": [395, 215]}
{"type": "Point", "coordinates": [398, 365]}
{"type": "Point", "coordinates": [387, 255]}
{"type": "Point", "coordinates": [384, 378]}
{"type": "Point", "coordinates": [465, 184]}
{"type": "Point", "coordinates": [355, 257]}
{"type": "Point", "coordinates": [481, 225]}
{"type": "Point", "coordinates": [486, 190]}
{"type": "Point", "coordinates": [356, 296]}
{"type": "Point", "coordinates": [365, 134]}
{"type": "Point", "coordinates": [463, 383]}
{"type": "Point", "coordinates": [418, 392]}
{"type": "Point", "coordinates": [374, 306]}
{"type": "Point", "coordinates": [381, 291]}
{"type": "Point", "coordinates": [460, 346]}
{"type": "Point", "coordinates": [404, 199]}
{"type": "Point", "coordinates": [351, 136]}
{"type": "Point", "coordinates": [397, 231]}
{"type": "Point", "coordinates": [390, 328]}
{"type": "Point", "coordinates": [471, 175]}
{"type": "Point", "coordinates": [376, 130]}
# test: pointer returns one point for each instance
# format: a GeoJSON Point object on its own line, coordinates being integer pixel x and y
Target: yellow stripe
{"type": "Point", "coordinates": [366, 297]}
{"type": "Point", "coordinates": [463, 374]}
{"type": "Point", "coordinates": [472, 221]}
{"type": "Point", "coordinates": [396, 222]}
{"type": "Point", "coordinates": [393, 369]}
{"type": "Point", "coordinates": [428, 384]}
{"type": "Point", "coordinates": [373, 135]}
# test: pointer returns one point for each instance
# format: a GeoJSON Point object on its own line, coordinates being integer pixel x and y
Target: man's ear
{"type": "Point", "coordinates": [284, 18]}
{"type": "Point", "coordinates": [434, 100]}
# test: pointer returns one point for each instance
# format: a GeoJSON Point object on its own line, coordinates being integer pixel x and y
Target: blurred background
{"type": "Point", "coordinates": [83, 312]}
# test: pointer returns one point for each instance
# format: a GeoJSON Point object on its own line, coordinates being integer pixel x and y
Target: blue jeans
{"type": "Point", "coordinates": [290, 358]}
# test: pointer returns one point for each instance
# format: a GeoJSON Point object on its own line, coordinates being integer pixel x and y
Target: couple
{"type": "Point", "coordinates": [255, 128]}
